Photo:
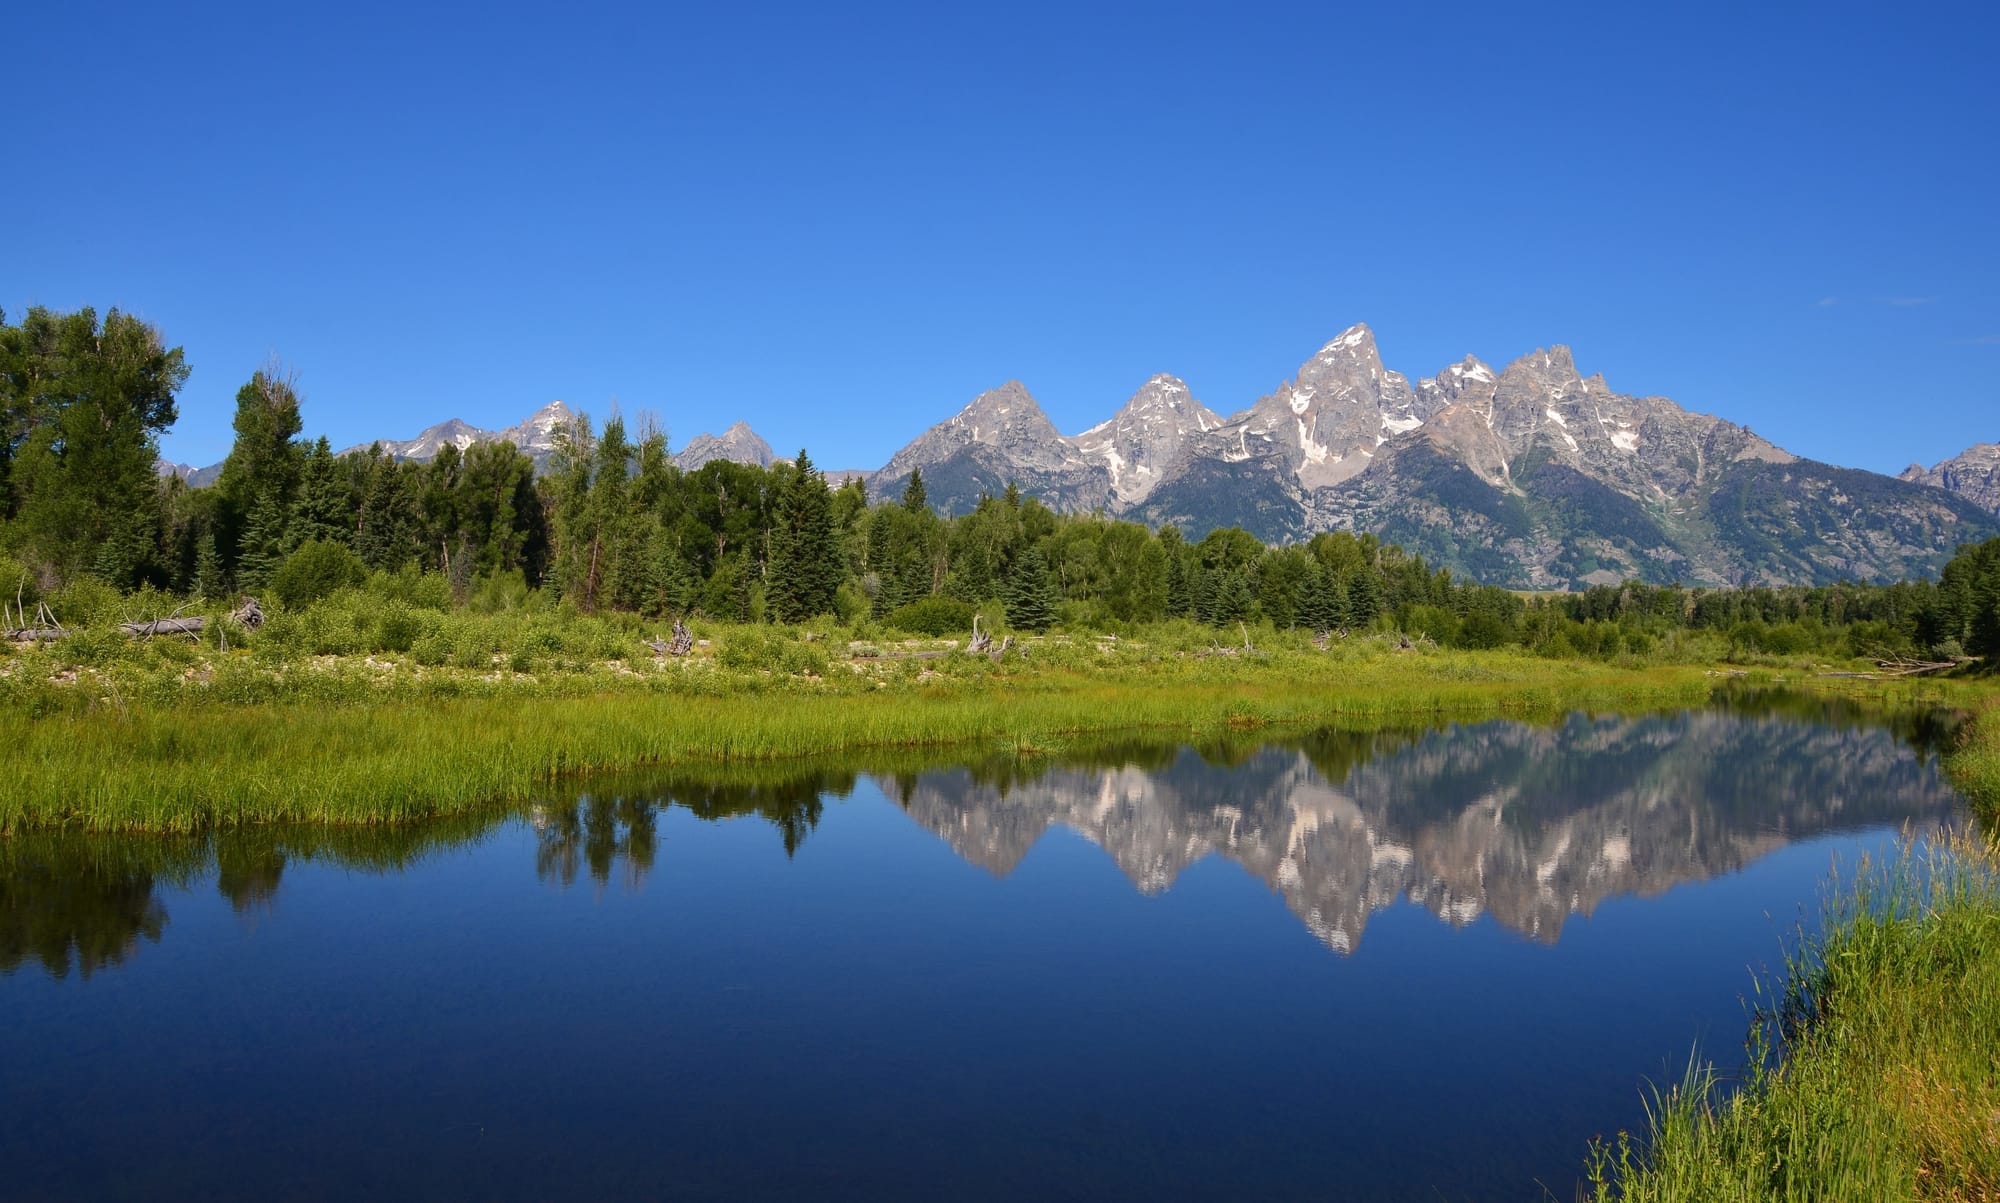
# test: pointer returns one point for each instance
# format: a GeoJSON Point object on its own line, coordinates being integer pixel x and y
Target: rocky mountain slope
{"type": "Point", "coordinates": [739, 444]}
{"type": "Point", "coordinates": [1534, 476]}
{"type": "Point", "coordinates": [1974, 474]}
{"type": "Point", "coordinates": [1002, 437]}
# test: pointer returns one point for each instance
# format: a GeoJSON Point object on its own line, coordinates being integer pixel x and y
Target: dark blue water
{"type": "Point", "coordinates": [1426, 965]}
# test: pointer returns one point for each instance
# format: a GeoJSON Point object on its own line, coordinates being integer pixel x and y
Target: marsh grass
{"type": "Point", "coordinates": [188, 762]}
{"type": "Point", "coordinates": [1874, 1066]}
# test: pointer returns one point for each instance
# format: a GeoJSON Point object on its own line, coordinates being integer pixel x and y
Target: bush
{"type": "Point", "coordinates": [85, 602]}
{"type": "Point", "coordinates": [398, 627]}
{"type": "Point", "coordinates": [933, 616]}
{"type": "Point", "coordinates": [1484, 631]}
{"type": "Point", "coordinates": [317, 569]}
{"type": "Point", "coordinates": [413, 587]}
{"type": "Point", "coordinates": [758, 647]}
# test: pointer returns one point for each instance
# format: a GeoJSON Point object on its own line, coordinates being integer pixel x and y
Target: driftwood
{"type": "Point", "coordinates": [1000, 651]}
{"type": "Point", "coordinates": [34, 634]}
{"type": "Point", "coordinates": [191, 627]}
{"type": "Point", "coordinates": [981, 641]}
{"type": "Point", "coordinates": [45, 630]}
{"type": "Point", "coordinates": [680, 645]}
{"type": "Point", "coordinates": [249, 615]}
{"type": "Point", "coordinates": [1897, 666]}
{"type": "Point", "coordinates": [1890, 668]}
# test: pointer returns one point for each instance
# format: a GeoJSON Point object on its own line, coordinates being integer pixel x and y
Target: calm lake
{"type": "Point", "coordinates": [1427, 964]}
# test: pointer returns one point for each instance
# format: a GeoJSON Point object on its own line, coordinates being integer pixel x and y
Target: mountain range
{"type": "Point", "coordinates": [1530, 476]}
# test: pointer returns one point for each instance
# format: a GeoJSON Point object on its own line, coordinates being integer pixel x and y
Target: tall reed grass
{"type": "Point", "coordinates": [1874, 1068]}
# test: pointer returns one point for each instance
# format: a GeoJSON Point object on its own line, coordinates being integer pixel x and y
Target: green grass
{"type": "Point", "coordinates": [1875, 1060]}
{"type": "Point", "coordinates": [186, 764]}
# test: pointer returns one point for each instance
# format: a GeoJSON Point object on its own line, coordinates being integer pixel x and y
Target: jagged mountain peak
{"type": "Point", "coordinates": [1147, 436]}
{"type": "Point", "coordinates": [737, 444]}
{"type": "Point", "coordinates": [1000, 437]}
{"type": "Point", "coordinates": [1355, 342]}
{"type": "Point", "coordinates": [1973, 474]}
{"type": "Point", "coordinates": [1007, 400]}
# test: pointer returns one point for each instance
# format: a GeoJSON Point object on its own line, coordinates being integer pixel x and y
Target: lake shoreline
{"type": "Point", "coordinates": [361, 740]}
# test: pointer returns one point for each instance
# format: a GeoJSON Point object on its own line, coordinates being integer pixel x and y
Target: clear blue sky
{"type": "Point", "coordinates": [841, 222]}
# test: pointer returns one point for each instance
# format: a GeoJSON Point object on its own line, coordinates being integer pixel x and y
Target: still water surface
{"type": "Point", "coordinates": [1426, 964]}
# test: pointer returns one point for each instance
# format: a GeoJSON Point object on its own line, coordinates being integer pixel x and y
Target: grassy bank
{"type": "Point", "coordinates": [184, 761]}
{"type": "Point", "coordinates": [1875, 1067]}
{"type": "Point", "coordinates": [1875, 1060]}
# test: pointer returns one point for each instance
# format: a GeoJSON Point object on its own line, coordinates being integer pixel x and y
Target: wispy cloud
{"type": "Point", "coordinates": [1984, 340]}
{"type": "Point", "coordinates": [1905, 302]}
{"type": "Point", "coordinates": [1827, 302]}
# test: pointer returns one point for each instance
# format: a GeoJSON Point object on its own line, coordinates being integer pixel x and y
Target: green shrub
{"type": "Point", "coordinates": [933, 616]}
{"type": "Point", "coordinates": [398, 627]}
{"type": "Point", "coordinates": [431, 649]}
{"type": "Point", "coordinates": [317, 569]}
{"type": "Point", "coordinates": [1483, 631]}
{"type": "Point", "coordinates": [84, 602]}
{"type": "Point", "coordinates": [500, 592]}
{"type": "Point", "coordinates": [413, 587]}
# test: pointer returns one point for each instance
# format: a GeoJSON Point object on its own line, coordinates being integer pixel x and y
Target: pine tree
{"type": "Point", "coordinates": [325, 511]}
{"type": "Point", "coordinates": [805, 568]}
{"type": "Point", "coordinates": [209, 581]}
{"type": "Point", "coordinates": [916, 498]}
{"type": "Point", "coordinates": [1364, 598]}
{"type": "Point", "coordinates": [1180, 593]}
{"type": "Point", "coordinates": [1325, 605]}
{"type": "Point", "coordinates": [1031, 593]}
{"type": "Point", "coordinates": [387, 514]}
{"type": "Point", "coordinates": [260, 480]}
{"type": "Point", "coordinates": [261, 547]}
{"type": "Point", "coordinates": [1229, 599]}
{"type": "Point", "coordinates": [677, 582]}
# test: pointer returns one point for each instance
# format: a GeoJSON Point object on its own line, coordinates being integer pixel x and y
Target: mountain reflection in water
{"type": "Point", "coordinates": [1527, 823]}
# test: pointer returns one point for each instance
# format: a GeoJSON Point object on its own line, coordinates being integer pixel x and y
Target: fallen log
{"type": "Point", "coordinates": [981, 640]}
{"type": "Point", "coordinates": [1900, 667]}
{"type": "Point", "coordinates": [191, 627]}
{"type": "Point", "coordinates": [35, 634]}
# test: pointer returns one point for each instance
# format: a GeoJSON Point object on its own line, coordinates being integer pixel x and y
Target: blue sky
{"type": "Point", "coordinates": [842, 223]}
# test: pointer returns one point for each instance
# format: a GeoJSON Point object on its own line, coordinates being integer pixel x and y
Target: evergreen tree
{"type": "Point", "coordinates": [388, 513]}
{"type": "Point", "coordinates": [1364, 597]}
{"type": "Point", "coordinates": [805, 565]}
{"type": "Point", "coordinates": [637, 580]}
{"type": "Point", "coordinates": [1230, 598]}
{"type": "Point", "coordinates": [1031, 594]}
{"type": "Point", "coordinates": [1180, 590]}
{"type": "Point", "coordinates": [915, 498]}
{"type": "Point", "coordinates": [260, 479]}
{"type": "Point", "coordinates": [325, 510]}
{"type": "Point", "coordinates": [1327, 599]}
{"type": "Point", "coordinates": [261, 547]}
{"type": "Point", "coordinates": [209, 581]}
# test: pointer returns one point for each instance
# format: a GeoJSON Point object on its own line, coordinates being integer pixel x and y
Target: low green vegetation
{"type": "Point", "coordinates": [357, 740]}
{"type": "Point", "coordinates": [1873, 1071]}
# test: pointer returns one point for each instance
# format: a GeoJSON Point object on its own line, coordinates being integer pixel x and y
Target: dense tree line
{"type": "Point", "coordinates": [610, 523]}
